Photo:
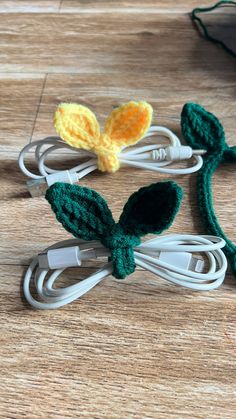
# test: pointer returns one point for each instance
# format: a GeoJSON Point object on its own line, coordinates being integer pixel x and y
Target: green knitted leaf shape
{"type": "Point", "coordinates": [85, 214]}
{"type": "Point", "coordinates": [81, 211]}
{"type": "Point", "coordinates": [201, 129]}
{"type": "Point", "coordinates": [152, 209]}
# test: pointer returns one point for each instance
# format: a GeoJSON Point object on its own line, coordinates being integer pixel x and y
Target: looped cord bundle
{"type": "Point", "coordinates": [202, 129]}
{"type": "Point", "coordinates": [80, 132]}
{"type": "Point", "coordinates": [85, 214]}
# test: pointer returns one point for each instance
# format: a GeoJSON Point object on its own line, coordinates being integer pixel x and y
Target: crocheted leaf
{"type": "Point", "coordinates": [129, 123]}
{"type": "Point", "coordinates": [201, 129]}
{"type": "Point", "coordinates": [81, 211]}
{"type": "Point", "coordinates": [152, 209]}
{"type": "Point", "coordinates": [77, 125]}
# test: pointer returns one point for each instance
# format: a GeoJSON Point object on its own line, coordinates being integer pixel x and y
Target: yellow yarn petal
{"type": "Point", "coordinates": [127, 124]}
{"type": "Point", "coordinates": [77, 125]}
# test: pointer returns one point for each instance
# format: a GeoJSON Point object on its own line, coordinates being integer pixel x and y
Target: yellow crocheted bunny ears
{"type": "Point", "coordinates": [126, 125]}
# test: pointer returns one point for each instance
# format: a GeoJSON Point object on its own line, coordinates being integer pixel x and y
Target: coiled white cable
{"type": "Point", "coordinates": [169, 257]}
{"type": "Point", "coordinates": [156, 157]}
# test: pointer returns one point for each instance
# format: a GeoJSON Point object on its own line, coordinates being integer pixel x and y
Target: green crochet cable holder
{"type": "Point", "coordinates": [201, 129]}
{"type": "Point", "coordinates": [84, 213]}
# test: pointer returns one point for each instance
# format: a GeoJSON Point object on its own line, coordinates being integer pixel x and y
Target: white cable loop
{"type": "Point", "coordinates": [169, 257]}
{"type": "Point", "coordinates": [156, 157]}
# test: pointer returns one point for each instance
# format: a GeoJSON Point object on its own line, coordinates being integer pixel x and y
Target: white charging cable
{"type": "Point", "coordinates": [156, 157]}
{"type": "Point", "coordinates": [170, 257]}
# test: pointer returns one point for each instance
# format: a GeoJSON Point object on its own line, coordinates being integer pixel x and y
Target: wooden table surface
{"type": "Point", "coordinates": [141, 348]}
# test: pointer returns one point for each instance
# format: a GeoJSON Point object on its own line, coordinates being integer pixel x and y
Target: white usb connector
{"type": "Point", "coordinates": [66, 257]}
{"type": "Point", "coordinates": [71, 256]}
{"type": "Point", "coordinates": [38, 187]}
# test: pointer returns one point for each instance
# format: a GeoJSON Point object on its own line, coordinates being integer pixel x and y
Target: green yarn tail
{"type": "Point", "coordinates": [195, 18]}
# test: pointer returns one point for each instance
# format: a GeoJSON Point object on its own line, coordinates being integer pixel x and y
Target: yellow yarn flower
{"type": "Point", "coordinates": [125, 126]}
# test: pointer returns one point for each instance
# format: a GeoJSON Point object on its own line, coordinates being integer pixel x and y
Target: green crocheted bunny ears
{"type": "Point", "coordinates": [203, 130]}
{"type": "Point", "coordinates": [84, 213]}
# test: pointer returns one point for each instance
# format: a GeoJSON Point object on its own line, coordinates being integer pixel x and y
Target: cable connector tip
{"type": "Point", "coordinates": [66, 257]}
{"type": "Point", "coordinates": [37, 187]}
{"type": "Point", "coordinates": [199, 152]}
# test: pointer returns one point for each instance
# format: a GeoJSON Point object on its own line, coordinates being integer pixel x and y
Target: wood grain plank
{"type": "Point", "coordinates": [139, 348]}
{"type": "Point", "coordinates": [29, 6]}
{"type": "Point", "coordinates": [101, 6]}
{"type": "Point", "coordinates": [19, 101]}
{"type": "Point", "coordinates": [174, 358]}
{"type": "Point", "coordinates": [117, 43]}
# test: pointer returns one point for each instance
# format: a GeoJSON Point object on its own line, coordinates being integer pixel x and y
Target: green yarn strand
{"type": "Point", "coordinates": [229, 155]}
{"type": "Point", "coordinates": [201, 129]}
{"type": "Point", "coordinates": [206, 208]}
{"type": "Point", "coordinates": [195, 18]}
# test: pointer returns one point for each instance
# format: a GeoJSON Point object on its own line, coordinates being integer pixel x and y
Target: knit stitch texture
{"type": "Point", "coordinates": [84, 213]}
{"type": "Point", "coordinates": [201, 129]}
{"type": "Point", "coordinates": [126, 125]}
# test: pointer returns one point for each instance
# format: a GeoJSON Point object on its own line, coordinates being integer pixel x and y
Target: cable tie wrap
{"type": "Point", "coordinates": [121, 246]}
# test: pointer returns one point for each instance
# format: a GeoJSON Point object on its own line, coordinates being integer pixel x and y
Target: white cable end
{"type": "Point", "coordinates": [66, 257]}
{"type": "Point", "coordinates": [199, 152]}
{"type": "Point", "coordinates": [64, 176]}
{"type": "Point", "coordinates": [196, 264]}
{"type": "Point", "coordinates": [38, 187]}
{"type": "Point", "coordinates": [183, 260]}
{"type": "Point", "coordinates": [178, 153]}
